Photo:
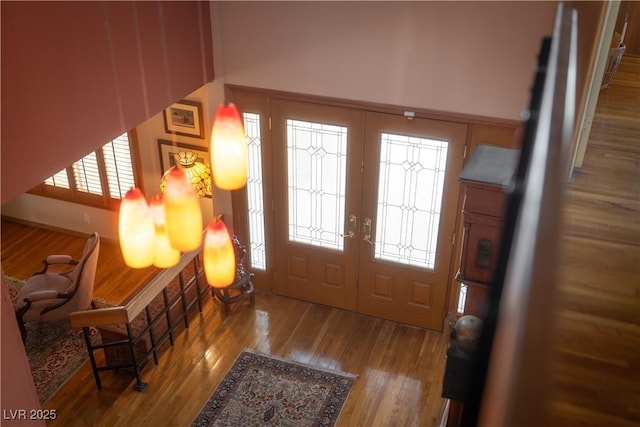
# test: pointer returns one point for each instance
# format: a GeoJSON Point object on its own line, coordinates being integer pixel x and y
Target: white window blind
{"type": "Point", "coordinates": [60, 180]}
{"type": "Point", "coordinates": [86, 175]}
{"type": "Point", "coordinates": [119, 167]}
{"type": "Point", "coordinates": [113, 165]}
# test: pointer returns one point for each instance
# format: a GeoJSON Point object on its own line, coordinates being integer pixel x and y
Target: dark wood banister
{"type": "Point", "coordinates": [515, 389]}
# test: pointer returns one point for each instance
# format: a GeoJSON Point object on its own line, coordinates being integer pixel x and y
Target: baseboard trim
{"type": "Point", "coordinates": [53, 228]}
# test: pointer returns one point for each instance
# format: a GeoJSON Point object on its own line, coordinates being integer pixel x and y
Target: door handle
{"type": "Point", "coordinates": [366, 231]}
{"type": "Point", "coordinates": [351, 227]}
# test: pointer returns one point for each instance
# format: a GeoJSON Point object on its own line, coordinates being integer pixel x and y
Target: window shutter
{"type": "Point", "coordinates": [60, 179]}
{"type": "Point", "coordinates": [119, 167]}
{"type": "Point", "coordinates": [87, 175]}
{"type": "Point", "coordinates": [112, 167]}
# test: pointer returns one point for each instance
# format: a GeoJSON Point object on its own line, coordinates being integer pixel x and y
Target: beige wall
{"type": "Point", "coordinates": [71, 216]}
{"type": "Point", "coordinates": [76, 74]}
{"type": "Point", "coordinates": [464, 57]}
{"type": "Point", "coordinates": [17, 390]}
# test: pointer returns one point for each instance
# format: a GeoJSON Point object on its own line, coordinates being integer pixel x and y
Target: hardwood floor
{"type": "Point", "coordinates": [24, 248]}
{"type": "Point", "coordinates": [400, 368]}
{"type": "Point", "coordinates": [596, 379]}
{"type": "Point", "coordinates": [597, 366]}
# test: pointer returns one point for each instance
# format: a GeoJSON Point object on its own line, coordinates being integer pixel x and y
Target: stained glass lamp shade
{"type": "Point", "coordinates": [198, 173]}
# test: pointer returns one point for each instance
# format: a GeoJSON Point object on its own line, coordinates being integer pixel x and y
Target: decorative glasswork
{"type": "Point", "coordinates": [316, 173]}
{"type": "Point", "coordinates": [198, 174]}
{"type": "Point", "coordinates": [255, 196]}
{"type": "Point", "coordinates": [412, 172]}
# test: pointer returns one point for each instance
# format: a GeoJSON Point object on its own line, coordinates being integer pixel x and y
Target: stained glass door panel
{"type": "Point", "coordinates": [408, 215]}
{"type": "Point", "coordinates": [410, 185]}
{"type": "Point", "coordinates": [317, 181]}
{"type": "Point", "coordinates": [316, 177]}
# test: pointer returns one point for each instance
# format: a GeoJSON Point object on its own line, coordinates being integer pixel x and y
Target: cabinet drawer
{"type": "Point", "coordinates": [485, 200]}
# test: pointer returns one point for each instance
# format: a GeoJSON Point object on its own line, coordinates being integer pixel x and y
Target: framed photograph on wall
{"type": "Point", "coordinates": [170, 153]}
{"type": "Point", "coordinates": [184, 118]}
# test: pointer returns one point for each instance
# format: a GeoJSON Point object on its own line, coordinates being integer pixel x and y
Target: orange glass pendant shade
{"type": "Point", "coordinates": [165, 255]}
{"type": "Point", "coordinates": [229, 151]}
{"type": "Point", "coordinates": [136, 230]}
{"type": "Point", "coordinates": [219, 256]}
{"type": "Point", "coordinates": [182, 212]}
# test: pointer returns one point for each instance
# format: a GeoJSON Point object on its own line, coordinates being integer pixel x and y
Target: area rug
{"type": "Point", "coordinates": [265, 390]}
{"type": "Point", "coordinates": [55, 350]}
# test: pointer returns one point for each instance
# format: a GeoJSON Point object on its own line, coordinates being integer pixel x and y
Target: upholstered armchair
{"type": "Point", "coordinates": [49, 295]}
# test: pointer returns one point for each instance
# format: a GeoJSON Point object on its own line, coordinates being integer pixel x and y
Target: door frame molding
{"type": "Point", "coordinates": [368, 106]}
{"type": "Point", "coordinates": [497, 131]}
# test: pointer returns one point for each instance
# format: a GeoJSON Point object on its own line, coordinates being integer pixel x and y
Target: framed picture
{"type": "Point", "coordinates": [170, 153]}
{"type": "Point", "coordinates": [184, 118]}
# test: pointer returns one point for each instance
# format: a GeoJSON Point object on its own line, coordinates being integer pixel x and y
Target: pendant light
{"type": "Point", "coordinates": [136, 230]}
{"type": "Point", "coordinates": [229, 151]}
{"type": "Point", "coordinates": [165, 255]}
{"type": "Point", "coordinates": [219, 255]}
{"type": "Point", "coordinates": [182, 212]}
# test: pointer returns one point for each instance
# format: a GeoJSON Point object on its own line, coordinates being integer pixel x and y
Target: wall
{"type": "Point", "coordinates": [630, 10]}
{"type": "Point", "coordinates": [17, 390]}
{"type": "Point", "coordinates": [594, 29]}
{"type": "Point", "coordinates": [71, 216]}
{"type": "Point", "coordinates": [74, 75]}
{"type": "Point", "coordinates": [82, 73]}
{"type": "Point", "coordinates": [463, 57]}
{"type": "Point", "coordinates": [380, 52]}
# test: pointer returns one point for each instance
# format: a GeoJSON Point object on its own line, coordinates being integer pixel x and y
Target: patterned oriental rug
{"type": "Point", "coordinates": [55, 350]}
{"type": "Point", "coordinates": [265, 390]}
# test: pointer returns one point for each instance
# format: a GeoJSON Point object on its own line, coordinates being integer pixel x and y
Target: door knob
{"type": "Point", "coordinates": [351, 227]}
{"type": "Point", "coordinates": [366, 231]}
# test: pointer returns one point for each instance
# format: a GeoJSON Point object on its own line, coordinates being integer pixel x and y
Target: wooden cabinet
{"type": "Point", "coordinates": [484, 178]}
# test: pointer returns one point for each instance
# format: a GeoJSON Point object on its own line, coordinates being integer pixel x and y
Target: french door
{"type": "Point", "coordinates": [365, 209]}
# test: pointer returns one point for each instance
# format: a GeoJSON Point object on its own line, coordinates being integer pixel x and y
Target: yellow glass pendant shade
{"type": "Point", "coordinates": [165, 255]}
{"type": "Point", "coordinates": [219, 256]}
{"type": "Point", "coordinates": [182, 212]}
{"type": "Point", "coordinates": [229, 151]}
{"type": "Point", "coordinates": [136, 230]}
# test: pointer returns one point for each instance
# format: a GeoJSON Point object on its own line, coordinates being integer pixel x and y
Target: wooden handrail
{"type": "Point", "coordinates": [126, 313]}
{"type": "Point", "coordinates": [98, 317]}
{"type": "Point", "coordinates": [512, 375]}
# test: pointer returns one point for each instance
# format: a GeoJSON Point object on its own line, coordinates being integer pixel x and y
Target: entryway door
{"type": "Point", "coordinates": [365, 209]}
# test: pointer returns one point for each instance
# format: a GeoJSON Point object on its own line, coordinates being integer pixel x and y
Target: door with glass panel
{"type": "Point", "coordinates": [317, 180]}
{"type": "Point", "coordinates": [408, 217]}
{"type": "Point", "coordinates": [365, 209]}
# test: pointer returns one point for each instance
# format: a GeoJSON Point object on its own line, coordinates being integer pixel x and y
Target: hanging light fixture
{"type": "Point", "coordinates": [143, 231]}
{"type": "Point", "coordinates": [229, 151]}
{"type": "Point", "coordinates": [182, 212]}
{"type": "Point", "coordinates": [136, 230]}
{"type": "Point", "coordinates": [219, 256]}
{"type": "Point", "coordinates": [165, 255]}
{"type": "Point", "coordinates": [198, 174]}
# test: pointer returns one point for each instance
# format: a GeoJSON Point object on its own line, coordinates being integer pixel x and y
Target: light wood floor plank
{"type": "Point", "coordinates": [596, 378]}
